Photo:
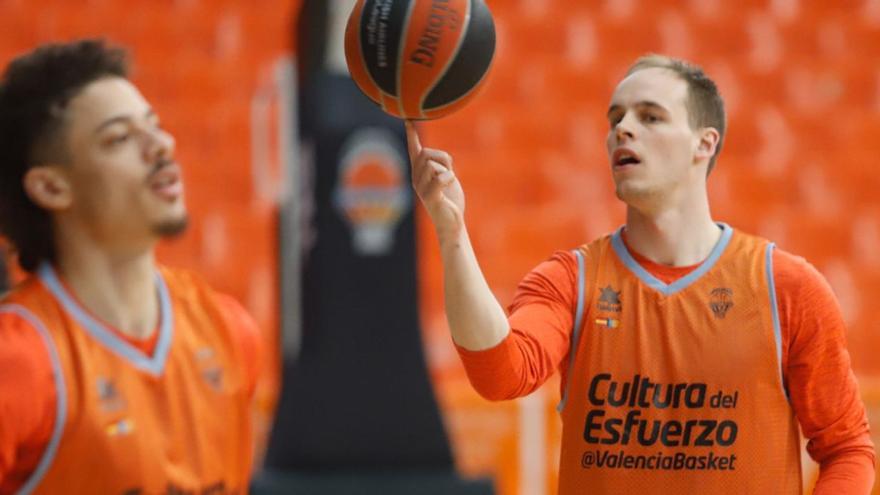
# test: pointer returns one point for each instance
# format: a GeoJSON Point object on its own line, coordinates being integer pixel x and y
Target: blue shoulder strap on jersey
{"type": "Point", "coordinates": [578, 323]}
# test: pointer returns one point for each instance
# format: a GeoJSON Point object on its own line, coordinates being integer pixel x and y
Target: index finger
{"type": "Point", "coordinates": [412, 140]}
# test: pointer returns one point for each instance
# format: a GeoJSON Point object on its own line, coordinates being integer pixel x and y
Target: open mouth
{"type": "Point", "coordinates": [623, 157]}
{"type": "Point", "coordinates": [166, 183]}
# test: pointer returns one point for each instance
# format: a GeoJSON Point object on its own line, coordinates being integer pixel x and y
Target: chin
{"type": "Point", "coordinates": [626, 189]}
{"type": "Point", "coordinates": [171, 227]}
{"type": "Point", "coordinates": [632, 194]}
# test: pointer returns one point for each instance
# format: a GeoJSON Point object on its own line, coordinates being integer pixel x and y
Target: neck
{"type": "Point", "coordinates": [682, 235]}
{"type": "Point", "coordinates": [120, 289]}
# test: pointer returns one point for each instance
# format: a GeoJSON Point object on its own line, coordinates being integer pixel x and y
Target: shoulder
{"type": "Point", "coordinates": [554, 279]}
{"type": "Point", "coordinates": [807, 306]}
{"type": "Point", "coordinates": [25, 355]}
{"type": "Point", "coordinates": [30, 381]}
{"type": "Point", "coordinates": [564, 267]}
{"type": "Point", "coordinates": [235, 314]}
{"type": "Point", "coordinates": [560, 262]}
{"type": "Point", "coordinates": [791, 273]}
{"type": "Point", "coordinates": [191, 292]}
{"type": "Point", "coordinates": [560, 267]}
{"type": "Point", "coordinates": [245, 335]}
{"type": "Point", "coordinates": [183, 282]}
{"type": "Point", "coordinates": [189, 289]}
{"type": "Point", "coordinates": [28, 349]}
{"type": "Point", "coordinates": [18, 321]}
{"type": "Point", "coordinates": [794, 275]}
{"type": "Point", "coordinates": [26, 292]}
{"type": "Point", "coordinates": [194, 289]}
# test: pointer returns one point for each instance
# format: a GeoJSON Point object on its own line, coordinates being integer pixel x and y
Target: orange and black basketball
{"type": "Point", "coordinates": [420, 59]}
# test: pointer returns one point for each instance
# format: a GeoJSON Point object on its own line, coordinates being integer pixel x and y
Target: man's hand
{"type": "Point", "coordinates": [437, 186]}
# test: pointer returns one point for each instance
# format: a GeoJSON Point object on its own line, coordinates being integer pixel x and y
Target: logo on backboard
{"type": "Point", "coordinates": [372, 191]}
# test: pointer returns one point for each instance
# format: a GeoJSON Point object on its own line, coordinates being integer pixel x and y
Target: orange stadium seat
{"type": "Point", "coordinates": [516, 35]}
{"type": "Point", "coordinates": [742, 136]}
{"type": "Point", "coordinates": [720, 38]}
{"type": "Point", "coordinates": [813, 10]}
{"type": "Point", "coordinates": [854, 171]}
{"type": "Point", "coordinates": [749, 187]}
{"type": "Point", "coordinates": [816, 239]}
{"type": "Point", "coordinates": [621, 42]}
{"type": "Point", "coordinates": [815, 131]}
{"type": "Point", "coordinates": [760, 87]}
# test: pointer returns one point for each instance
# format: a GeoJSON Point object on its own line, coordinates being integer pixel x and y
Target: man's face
{"type": "Point", "coordinates": [126, 185]}
{"type": "Point", "coordinates": [650, 144]}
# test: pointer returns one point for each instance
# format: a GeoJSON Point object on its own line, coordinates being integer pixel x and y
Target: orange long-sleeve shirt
{"type": "Point", "coordinates": [28, 392]}
{"type": "Point", "coordinates": [816, 365]}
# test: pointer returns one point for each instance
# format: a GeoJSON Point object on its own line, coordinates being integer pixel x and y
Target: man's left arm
{"type": "Point", "coordinates": [820, 380]}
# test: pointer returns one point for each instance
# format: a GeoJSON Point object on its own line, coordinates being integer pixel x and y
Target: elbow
{"type": "Point", "coordinates": [497, 390]}
{"type": "Point", "coordinates": [846, 472]}
{"type": "Point", "coordinates": [503, 372]}
{"type": "Point", "coordinates": [493, 393]}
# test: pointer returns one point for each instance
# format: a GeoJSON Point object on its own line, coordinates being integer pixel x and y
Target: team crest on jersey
{"type": "Point", "coordinates": [609, 299]}
{"type": "Point", "coordinates": [721, 300]}
{"type": "Point", "coordinates": [108, 395]}
{"type": "Point", "coordinates": [211, 372]}
{"type": "Point", "coordinates": [214, 377]}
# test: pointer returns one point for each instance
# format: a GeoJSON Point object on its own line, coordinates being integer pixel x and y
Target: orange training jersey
{"type": "Point", "coordinates": [176, 421]}
{"type": "Point", "coordinates": [678, 388]}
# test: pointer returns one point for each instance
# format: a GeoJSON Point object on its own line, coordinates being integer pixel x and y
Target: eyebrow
{"type": "Point", "coordinates": [643, 103]}
{"type": "Point", "coordinates": [121, 118]}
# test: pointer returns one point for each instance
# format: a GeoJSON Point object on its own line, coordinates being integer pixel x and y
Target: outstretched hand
{"type": "Point", "coordinates": [436, 185]}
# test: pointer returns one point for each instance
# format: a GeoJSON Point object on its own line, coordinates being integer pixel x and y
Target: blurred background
{"type": "Point", "coordinates": [231, 79]}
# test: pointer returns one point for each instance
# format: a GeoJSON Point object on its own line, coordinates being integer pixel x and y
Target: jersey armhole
{"type": "Point", "coordinates": [48, 455]}
{"type": "Point", "coordinates": [578, 324]}
{"type": "Point", "coordinates": [774, 311]}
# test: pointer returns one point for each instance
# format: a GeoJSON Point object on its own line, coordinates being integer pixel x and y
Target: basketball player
{"type": "Point", "coordinates": [116, 375]}
{"type": "Point", "coordinates": [689, 351]}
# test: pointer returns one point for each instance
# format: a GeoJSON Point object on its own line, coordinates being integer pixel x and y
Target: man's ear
{"type": "Point", "coordinates": [707, 144]}
{"type": "Point", "coordinates": [48, 187]}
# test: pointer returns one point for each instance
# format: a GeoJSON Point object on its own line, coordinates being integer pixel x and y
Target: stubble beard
{"type": "Point", "coordinates": [171, 228]}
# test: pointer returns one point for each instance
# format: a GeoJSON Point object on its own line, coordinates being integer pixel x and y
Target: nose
{"type": "Point", "coordinates": [624, 128]}
{"type": "Point", "coordinates": [160, 146]}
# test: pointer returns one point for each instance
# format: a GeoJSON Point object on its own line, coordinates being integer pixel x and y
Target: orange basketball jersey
{"type": "Point", "coordinates": [677, 388]}
{"type": "Point", "coordinates": [175, 422]}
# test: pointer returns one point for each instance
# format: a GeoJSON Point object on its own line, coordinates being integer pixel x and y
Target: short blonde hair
{"type": "Point", "coordinates": [704, 103]}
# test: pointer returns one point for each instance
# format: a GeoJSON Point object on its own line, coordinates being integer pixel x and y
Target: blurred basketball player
{"type": "Point", "coordinates": [116, 375]}
{"type": "Point", "coordinates": [689, 351]}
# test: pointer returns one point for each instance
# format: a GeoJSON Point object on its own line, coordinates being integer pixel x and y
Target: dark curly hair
{"type": "Point", "coordinates": [34, 93]}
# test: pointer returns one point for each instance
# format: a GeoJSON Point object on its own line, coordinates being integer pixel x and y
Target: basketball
{"type": "Point", "coordinates": [420, 59]}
